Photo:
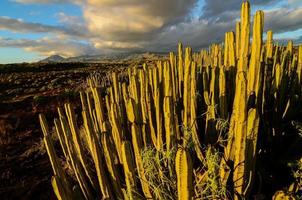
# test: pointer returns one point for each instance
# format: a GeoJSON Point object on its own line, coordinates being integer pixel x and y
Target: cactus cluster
{"type": "Point", "coordinates": [182, 104]}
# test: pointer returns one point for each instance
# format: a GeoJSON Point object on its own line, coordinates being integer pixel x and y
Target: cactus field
{"type": "Point", "coordinates": [163, 100]}
{"type": "Point", "coordinates": [220, 123]}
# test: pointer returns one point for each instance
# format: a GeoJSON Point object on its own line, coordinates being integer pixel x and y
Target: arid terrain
{"type": "Point", "coordinates": [29, 89]}
{"type": "Point", "coordinates": [25, 91]}
{"type": "Point", "coordinates": [151, 100]}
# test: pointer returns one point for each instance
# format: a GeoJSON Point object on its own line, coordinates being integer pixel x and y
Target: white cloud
{"type": "Point", "coordinates": [283, 20]}
{"type": "Point", "coordinates": [295, 2]}
{"type": "Point", "coordinates": [18, 25]}
{"type": "Point", "coordinates": [49, 46]}
{"type": "Point", "coordinates": [47, 1]}
{"type": "Point", "coordinates": [149, 25]}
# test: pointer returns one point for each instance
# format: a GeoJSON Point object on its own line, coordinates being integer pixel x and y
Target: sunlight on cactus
{"type": "Point", "coordinates": [186, 127]}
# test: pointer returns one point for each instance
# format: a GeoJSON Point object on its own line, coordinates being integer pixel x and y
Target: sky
{"type": "Point", "coordinates": [31, 30]}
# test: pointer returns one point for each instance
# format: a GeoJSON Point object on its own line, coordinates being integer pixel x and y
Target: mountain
{"type": "Point", "coordinates": [53, 59]}
{"type": "Point", "coordinates": [116, 57]}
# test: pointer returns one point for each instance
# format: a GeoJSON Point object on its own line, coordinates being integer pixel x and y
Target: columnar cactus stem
{"type": "Point", "coordinates": [168, 108]}
{"type": "Point", "coordinates": [97, 157]}
{"type": "Point", "coordinates": [223, 104]}
{"type": "Point", "coordinates": [112, 169]}
{"type": "Point", "coordinates": [61, 137]}
{"type": "Point", "coordinates": [244, 37]}
{"type": "Point", "coordinates": [180, 69]}
{"type": "Point", "coordinates": [129, 166]}
{"type": "Point", "coordinates": [137, 142]}
{"type": "Point", "coordinates": [251, 145]}
{"type": "Point", "coordinates": [238, 34]}
{"type": "Point", "coordinates": [184, 172]}
{"type": "Point", "coordinates": [232, 49]}
{"type": "Point", "coordinates": [151, 123]}
{"type": "Point", "coordinates": [299, 68]}
{"type": "Point", "coordinates": [76, 141]}
{"type": "Point", "coordinates": [99, 108]}
{"type": "Point", "coordinates": [226, 49]}
{"type": "Point", "coordinates": [158, 111]}
{"type": "Point", "coordinates": [269, 44]}
{"type": "Point", "coordinates": [254, 71]}
{"type": "Point", "coordinates": [75, 163]}
{"type": "Point", "coordinates": [210, 116]}
{"type": "Point", "coordinates": [115, 87]}
{"type": "Point", "coordinates": [174, 73]}
{"type": "Point", "coordinates": [186, 96]}
{"type": "Point", "coordinates": [137, 147]}
{"type": "Point", "coordinates": [117, 131]}
{"type": "Point", "coordinates": [193, 111]}
{"type": "Point", "coordinates": [240, 137]}
{"type": "Point", "coordinates": [143, 106]}
{"type": "Point", "coordinates": [60, 185]}
{"type": "Point", "coordinates": [254, 84]}
{"type": "Point", "coordinates": [290, 47]}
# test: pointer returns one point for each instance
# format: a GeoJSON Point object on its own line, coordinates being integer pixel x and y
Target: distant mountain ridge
{"type": "Point", "coordinates": [103, 58]}
{"type": "Point", "coordinates": [53, 59]}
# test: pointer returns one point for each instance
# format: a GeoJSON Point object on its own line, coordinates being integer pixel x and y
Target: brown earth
{"type": "Point", "coordinates": [26, 91]}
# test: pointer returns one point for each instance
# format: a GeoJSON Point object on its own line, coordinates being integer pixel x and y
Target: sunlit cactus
{"type": "Point", "coordinates": [184, 171]}
{"type": "Point", "coordinates": [196, 116]}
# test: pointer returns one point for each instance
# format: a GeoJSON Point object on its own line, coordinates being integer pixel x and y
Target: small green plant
{"type": "Point", "coordinates": [160, 173]}
{"type": "Point", "coordinates": [69, 93]}
{"type": "Point", "coordinates": [38, 99]}
{"type": "Point", "coordinates": [207, 180]}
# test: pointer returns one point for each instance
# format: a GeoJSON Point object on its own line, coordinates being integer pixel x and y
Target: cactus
{"type": "Point", "coordinates": [254, 83]}
{"type": "Point", "coordinates": [223, 104]}
{"type": "Point", "coordinates": [226, 50]}
{"type": "Point", "coordinates": [269, 44]}
{"type": "Point", "coordinates": [60, 183]}
{"type": "Point", "coordinates": [75, 163]}
{"type": "Point", "coordinates": [244, 37]}
{"type": "Point", "coordinates": [76, 141]}
{"type": "Point", "coordinates": [180, 69]}
{"type": "Point", "coordinates": [220, 96]}
{"type": "Point", "coordinates": [238, 39]}
{"type": "Point", "coordinates": [231, 49]}
{"type": "Point", "coordinates": [184, 172]}
{"type": "Point", "coordinates": [112, 169]}
{"type": "Point", "coordinates": [117, 131]}
{"type": "Point", "coordinates": [168, 108]}
{"type": "Point", "coordinates": [254, 71]}
{"type": "Point", "coordinates": [193, 113]}
{"type": "Point", "coordinates": [137, 147]}
{"type": "Point", "coordinates": [128, 165]}
{"type": "Point", "coordinates": [186, 96]}
{"type": "Point", "coordinates": [143, 107]}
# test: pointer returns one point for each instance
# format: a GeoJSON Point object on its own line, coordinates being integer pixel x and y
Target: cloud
{"type": "Point", "coordinates": [49, 46]}
{"type": "Point", "coordinates": [215, 8]}
{"type": "Point", "coordinates": [158, 26]}
{"type": "Point", "coordinates": [197, 34]}
{"type": "Point", "coordinates": [18, 25]}
{"type": "Point", "coordinates": [128, 21]}
{"type": "Point", "coordinates": [283, 20]}
{"type": "Point", "coordinates": [74, 24]}
{"type": "Point", "coordinates": [295, 2]}
{"type": "Point", "coordinates": [151, 25]}
{"type": "Point", "coordinates": [298, 40]}
{"type": "Point", "coordinates": [47, 1]}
